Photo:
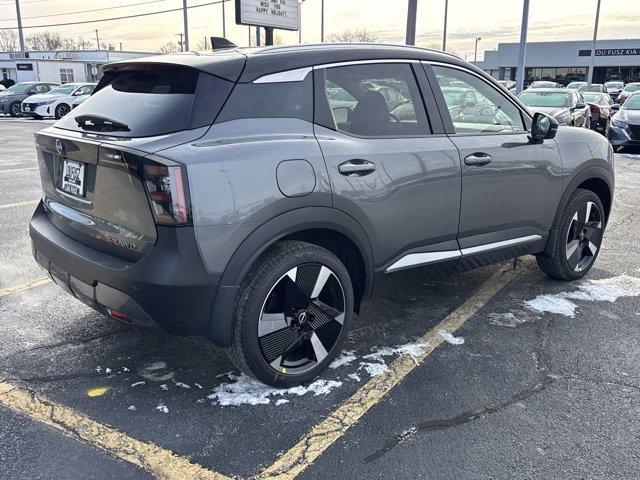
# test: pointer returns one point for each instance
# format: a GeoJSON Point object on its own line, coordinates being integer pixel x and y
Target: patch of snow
{"type": "Point", "coordinates": [243, 390]}
{"type": "Point", "coordinates": [354, 376]}
{"type": "Point", "coordinates": [137, 384]}
{"type": "Point", "coordinates": [163, 408]}
{"type": "Point", "coordinates": [506, 319]}
{"type": "Point", "coordinates": [374, 369]}
{"type": "Point", "coordinates": [107, 371]}
{"type": "Point", "coordinates": [347, 357]}
{"type": "Point", "coordinates": [164, 387]}
{"type": "Point", "coordinates": [198, 385]}
{"type": "Point", "coordinates": [132, 408]}
{"type": "Point", "coordinates": [282, 401]}
{"type": "Point", "coordinates": [125, 369]}
{"type": "Point", "coordinates": [156, 372]}
{"type": "Point", "coordinates": [604, 290]}
{"type": "Point", "coordinates": [450, 338]}
{"type": "Point", "coordinates": [226, 374]}
{"type": "Point", "coordinates": [181, 385]}
{"type": "Point", "coordinates": [412, 349]}
{"type": "Point", "coordinates": [98, 369]}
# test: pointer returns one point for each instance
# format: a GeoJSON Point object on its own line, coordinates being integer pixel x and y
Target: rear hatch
{"type": "Point", "coordinates": [104, 181]}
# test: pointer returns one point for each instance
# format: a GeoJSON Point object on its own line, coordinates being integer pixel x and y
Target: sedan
{"type": "Point", "coordinates": [627, 91]}
{"type": "Point", "coordinates": [544, 84]}
{"type": "Point", "coordinates": [13, 96]}
{"type": "Point", "coordinates": [576, 85]}
{"type": "Point", "coordinates": [600, 105]}
{"type": "Point", "coordinates": [625, 124]}
{"type": "Point", "coordinates": [614, 88]}
{"type": "Point", "coordinates": [566, 106]}
{"type": "Point", "coordinates": [57, 102]}
{"type": "Point", "coordinates": [594, 87]}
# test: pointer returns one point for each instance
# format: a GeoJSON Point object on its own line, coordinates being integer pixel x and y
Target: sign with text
{"type": "Point", "coordinates": [284, 14]}
{"type": "Point", "coordinates": [610, 52]}
{"type": "Point", "coordinates": [24, 66]}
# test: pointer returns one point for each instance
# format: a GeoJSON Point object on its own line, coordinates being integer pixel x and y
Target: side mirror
{"type": "Point", "coordinates": [543, 127]}
{"type": "Point", "coordinates": [615, 107]}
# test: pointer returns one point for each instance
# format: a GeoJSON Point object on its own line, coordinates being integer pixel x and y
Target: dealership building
{"type": "Point", "coordinates": [60, 66]}
{"type": "Point", "coordinates": [565, 62]}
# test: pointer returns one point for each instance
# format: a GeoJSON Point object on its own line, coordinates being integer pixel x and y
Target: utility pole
{"type": "Point", "coordinates": [224, 21]}
{"type": "Point", "coordinates": [593, 45]}
{"type": "Point", "coordinates": [322, 21]}
{"type": "Point", "coordinates": [444, 33]}
{"type": "Point", "coordinates": [20, 33]}
{"type": "Point", "coordinates": [411, 22]}
{"type": "Point", "coordinates": [300, 22]}
{"type": "Point", "coordinates": [120, 46]}
{"type": "Point", "coordinates": [97, 39]}
{"type": "Point", "coordinates": [186, 27]}
{"type": "Point", "coordinates": [523, 47]}
{"type": "Point", "coordinates": [475, 54]}
{"type": "Point", "coordinates": [180, 42]}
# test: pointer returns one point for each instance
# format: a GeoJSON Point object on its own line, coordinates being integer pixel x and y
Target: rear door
{"type": "Point", "coordinates": [510, 185]}
{"type": "Point", "coordinates": [390, 168]}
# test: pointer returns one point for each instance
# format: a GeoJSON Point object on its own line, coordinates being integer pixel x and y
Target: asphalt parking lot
{"type": "Point", "coordinates": [496, 373]}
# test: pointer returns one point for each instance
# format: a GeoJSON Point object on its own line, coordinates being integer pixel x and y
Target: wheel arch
{"type": "Point", "coordinates": [595, 178]}
{"type": "Point", "coordinates": [323, 226]}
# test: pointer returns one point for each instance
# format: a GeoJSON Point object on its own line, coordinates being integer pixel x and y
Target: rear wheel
{"type": "Point", "coordinates": [292, 314]}
{"type": "Point", "coordinates": [62, 110]}
{"type": "Point", "coordinates": [579, 237]}
{"type": "Point", "coordinates": [14, 109]}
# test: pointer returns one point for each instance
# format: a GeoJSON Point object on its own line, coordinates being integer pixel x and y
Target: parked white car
{"type": "Point", "coordinates": [57, 102]}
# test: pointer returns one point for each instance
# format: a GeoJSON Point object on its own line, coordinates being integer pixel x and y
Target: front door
{"type": "Point", "coordinates": [400, 182]}
{"type": "Point", "coordinates": [510, 185]}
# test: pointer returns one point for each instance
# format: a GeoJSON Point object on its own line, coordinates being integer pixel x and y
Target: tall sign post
{"type": "Point", "coordinates": [593, 46]}
{"type": "Point", "coordinates": [270, 14]}
{"type": "Point", "coordinates": [411, 22]}
{"type": "Point", "coordinates": [522, 52]}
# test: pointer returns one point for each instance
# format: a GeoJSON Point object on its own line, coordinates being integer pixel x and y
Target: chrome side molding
{"type": "Point", "coordinates": [425, 258]}
{"type": "Point", "coordinates": [297, 75]}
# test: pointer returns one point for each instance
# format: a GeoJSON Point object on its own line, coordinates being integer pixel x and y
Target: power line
{"type": "Point", "coordinates": [84, 11]}
{"type": "Point", "coordinates": [116, 18]}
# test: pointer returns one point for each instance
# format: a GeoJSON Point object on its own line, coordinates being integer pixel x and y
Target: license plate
{"type": "Point", "coordinates": [73, 177]}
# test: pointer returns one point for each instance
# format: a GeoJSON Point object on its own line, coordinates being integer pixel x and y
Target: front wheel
{"type": "Point", "coordinates": [14, 109]}
{"type": "Point", "coordinates": [62, 110]}
{"type": "Point", "coordinates": [292, 314]}
{"type": "Point", "coordinates": [577, 243]}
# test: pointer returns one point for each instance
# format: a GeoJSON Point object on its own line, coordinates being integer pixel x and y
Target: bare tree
{"type": "Point", "coordinates": [8, 41]}
{"type": "Point", "coordinates": [45, 41]}
{"type": "Point", "coordinates": [169, 47]}
{"type": "Point", "coordinates": [353, 36]}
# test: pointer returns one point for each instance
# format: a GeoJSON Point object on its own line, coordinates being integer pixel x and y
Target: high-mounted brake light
{"type": "Point", "coordinates": [168, 193]}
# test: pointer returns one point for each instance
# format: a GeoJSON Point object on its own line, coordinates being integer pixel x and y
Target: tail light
{"type": "Point", "coordinates": [168, 192]}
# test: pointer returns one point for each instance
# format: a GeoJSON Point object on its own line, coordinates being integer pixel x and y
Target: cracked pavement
{"type": "Point", "coordinates": [546, 397]}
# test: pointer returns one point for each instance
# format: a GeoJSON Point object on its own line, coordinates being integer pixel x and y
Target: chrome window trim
{"type": "Point", "coordinates": [425, 258]}
{"type": "Point", "coordinates": [297, 75]}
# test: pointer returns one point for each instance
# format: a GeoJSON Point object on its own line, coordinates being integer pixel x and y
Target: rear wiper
{"type": "Point", "coordinates": [97, 123]}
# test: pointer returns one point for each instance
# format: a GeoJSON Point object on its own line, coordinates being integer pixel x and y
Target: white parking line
{"type": "Point", "coordinates": [12, 170]}
{"type": "Point", "coordinates": [19, 204]}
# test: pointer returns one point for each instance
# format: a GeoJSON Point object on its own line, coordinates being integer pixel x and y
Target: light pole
{"type": "Point", "coordinates": [322, 21]}
{"type": "Point", "coordinates": [20, 33]}
{"type": "Point", "coordinates": [444, 33]}
{"type": "Point", "coordinates": [475, 54]}
{"type": "Point", "coordinates": [593, 45]}
{"type": "Point", "coordinates": [300, 22]}
{"type": "Point", "coordinates": [224, 21]}
{"type": "Point", "coordinates": [412, 9]}
{"type": "Point", "coordinates": [523, 47]}
{"type": "Point", "coordinates": [97, 38]}
{"type": "Point", "coordinates": [185, 45]}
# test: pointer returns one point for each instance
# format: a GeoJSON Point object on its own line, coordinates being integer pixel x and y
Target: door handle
{"type": "Point", "coordinates": [356, 168]}
{"type": "Point", "coordinates": [477, 159]}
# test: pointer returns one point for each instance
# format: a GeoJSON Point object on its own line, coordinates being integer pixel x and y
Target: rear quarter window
{"type": "Point", "coordinates": [270, 100]}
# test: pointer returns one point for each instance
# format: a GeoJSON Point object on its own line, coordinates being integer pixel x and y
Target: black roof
{"type": "Point", "coordinates": [247, 64]}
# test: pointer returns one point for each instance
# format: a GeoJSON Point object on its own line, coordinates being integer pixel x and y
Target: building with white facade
{"type": "Point", "coordinates": [565, 62]}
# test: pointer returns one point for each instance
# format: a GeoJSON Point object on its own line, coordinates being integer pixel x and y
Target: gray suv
{"type": "Point", "coordinates": [258, 197]}
{"type": "Point", "coordinates": [12, 97]}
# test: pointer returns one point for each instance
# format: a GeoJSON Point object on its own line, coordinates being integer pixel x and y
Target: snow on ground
{"type": "Point", "coordinates": [605, 290]}
{"type": "Point", "coordinates": [450, 338]}
{"type": "Point", "coordinates": [347, 357]}
{"type": "Point", "coordinates": [508, 319]}
{"type": "Point", "coordinates": [374, 369]}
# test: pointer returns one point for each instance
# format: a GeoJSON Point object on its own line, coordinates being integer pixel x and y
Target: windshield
{"type": "Point", "coordinates": [19, 87]}
{"type": "Point", "coordinates": [591, 97]}
{"type": "Point", "coordinates": [632, 103]}
{"type": "Point", "coordinates": [614, 84]}
{"type": "Point", "coordinates": [545, 99]}
{"type": "Point", "coordinates": [543, 85]}
{"type": "Point", "coordinates": [62, 90]}
{"type": "Point", "coordinates": [632, 87]}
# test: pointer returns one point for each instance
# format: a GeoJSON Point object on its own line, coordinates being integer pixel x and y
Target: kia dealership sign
{"type": "Point", "coordinates": [284, 14]}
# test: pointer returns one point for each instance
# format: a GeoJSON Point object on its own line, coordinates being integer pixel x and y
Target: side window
{"type": "Point", "coordinates": [474, 105]}
{"type": "Point", "coordinates": [270, 100]}
{"type": "Point", "coordinates": [40, 89]}
{"type": "Point", "coordinates": [375, 100]}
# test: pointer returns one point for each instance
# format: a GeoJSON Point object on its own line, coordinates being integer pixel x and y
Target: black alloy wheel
{"type": "Point", "coordinates": [62, 110]}
{"type": "Point", "coordinates": [14, 109]}
{"type": "Point", "coordinates": [584, 237]}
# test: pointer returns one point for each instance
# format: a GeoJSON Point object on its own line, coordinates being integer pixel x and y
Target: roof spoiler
{"type": "Point", "coordinates": [219, 43]}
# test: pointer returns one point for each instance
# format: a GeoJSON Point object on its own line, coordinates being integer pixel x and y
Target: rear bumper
{"type": "Point", "coordinates": [168, 287]}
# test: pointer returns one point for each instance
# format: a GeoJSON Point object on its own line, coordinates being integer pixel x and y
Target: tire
{"type": "Point", "coordinates": [587, 124]}
{"type": "Point", "coordinates": [292, 313]}
{"type": "Point", "coordinates": [62, 110]}
{"type": "Point", "coordinates": [577, 244]}
{"type": "Point", "coordinates": [14, 109]}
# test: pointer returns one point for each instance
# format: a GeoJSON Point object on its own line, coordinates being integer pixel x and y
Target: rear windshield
{"type": "Point", "coordinates": [151, 101]}
{"type": "Point", "coordinates": [632, 87]}
{"type": "Point", "coordinates": [545, 99]}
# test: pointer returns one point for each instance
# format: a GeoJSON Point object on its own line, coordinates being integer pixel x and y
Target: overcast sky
{"type": "Point", "coordinates": [494, 20]}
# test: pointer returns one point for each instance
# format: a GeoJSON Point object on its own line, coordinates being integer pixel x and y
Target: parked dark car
{"type": "Point", "coordinates": [544, 84]}
{"type": "Point", "coordinates": [625, 124]}
{"type": "Point", "coordinates": [566, 106]}
{"type": "Point", "coordinates": [240, 210]}
{"type": "Point", "coordinates": [600, 105]}
{"type": "Point", "coordinates": [12, 97]}
{"type": "Point", "coordinates": [628, 90]}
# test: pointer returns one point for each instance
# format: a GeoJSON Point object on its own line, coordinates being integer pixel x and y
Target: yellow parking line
{"type": "Point", "coordinates": [160, 462]}
{"type": "Point", "coordinates": [324, 434]}
{"type": "Point", "coordinates": [19, 204]}
{"type": "Point", "coordinates": [23, 286]}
